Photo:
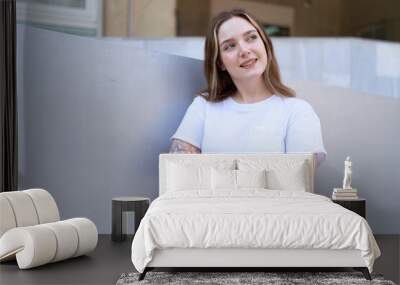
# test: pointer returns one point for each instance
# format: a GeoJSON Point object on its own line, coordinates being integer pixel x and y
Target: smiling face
{"type": "Point", "coordinates": [242, 51]}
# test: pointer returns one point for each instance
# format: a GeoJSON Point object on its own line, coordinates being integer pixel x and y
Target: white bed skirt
{"type": "Point", "coordinates": [193, 257]}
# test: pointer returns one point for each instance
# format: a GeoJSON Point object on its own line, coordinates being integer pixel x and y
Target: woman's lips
{"type": "Point", "coordinates": [248, 63]}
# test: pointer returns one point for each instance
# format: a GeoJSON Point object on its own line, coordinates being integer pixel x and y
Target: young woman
{"type": "Point", "coordinates": [246, 107]}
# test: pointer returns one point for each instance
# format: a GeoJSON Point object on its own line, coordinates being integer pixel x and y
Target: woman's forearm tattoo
{"type": "Point", "coordinates": [179, 146]}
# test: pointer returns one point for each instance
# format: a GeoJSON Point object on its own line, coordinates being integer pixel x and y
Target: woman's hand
{"type": "Point", "coordinates": [180, 146]}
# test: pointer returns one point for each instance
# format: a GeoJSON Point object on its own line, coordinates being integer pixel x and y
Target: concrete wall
{"type": "Point", "coordinates": [366, 128]}
{"type": "Point", "coordinates": [96, 114]}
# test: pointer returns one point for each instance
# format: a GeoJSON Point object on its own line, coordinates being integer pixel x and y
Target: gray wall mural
{"type": "Point", "coordinates": [95, 114]}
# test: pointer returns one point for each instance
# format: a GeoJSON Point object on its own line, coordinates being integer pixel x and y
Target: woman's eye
{"type": "Point", "coordinates": [253, 37]}
{"type": "Point", "coordinates": [229, 46]}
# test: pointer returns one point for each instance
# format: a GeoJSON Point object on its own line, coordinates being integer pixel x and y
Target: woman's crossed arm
{"type": "Point", "coordinates": [180, 146]}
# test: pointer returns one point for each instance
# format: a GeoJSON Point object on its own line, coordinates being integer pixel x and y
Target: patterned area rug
{"type": "Point", "coordinates": [270, 278]}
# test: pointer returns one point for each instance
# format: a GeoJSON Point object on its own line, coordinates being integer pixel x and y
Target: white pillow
{"type": "Point", "coordinates": [251, 178]}
{"type": "Point", "coordinates": [193, 174]}
{"type": "Point", "coordinates": [236, 179]}
{"type": "Point", "coordinates": [223, 179]}
{"type": "Point", "coordinates": [282, 174]}
{"type": "Point", "coordinates": [293, 178]}
{"type": "Point", "coordinates": [184, 177]}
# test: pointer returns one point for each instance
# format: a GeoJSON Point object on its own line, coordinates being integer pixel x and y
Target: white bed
{"type": "Point", "coordinates": [215, 211]}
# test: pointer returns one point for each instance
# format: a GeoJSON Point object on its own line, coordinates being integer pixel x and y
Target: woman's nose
{"type": "Point", "coordinates": [244, 50]}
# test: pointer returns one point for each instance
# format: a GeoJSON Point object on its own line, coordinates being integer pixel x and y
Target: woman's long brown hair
{"type": "Point", "coordinates": [220, 84]}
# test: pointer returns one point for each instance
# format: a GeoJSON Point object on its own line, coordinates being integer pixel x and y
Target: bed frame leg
{"type": "Point", "coordinates": [143, 274]}
{"type": "Point", "coordinates": [364, 271]}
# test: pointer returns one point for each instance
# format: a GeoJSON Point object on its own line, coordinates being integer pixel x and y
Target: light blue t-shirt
{"type": "Point", "coordinates": [276, 124]}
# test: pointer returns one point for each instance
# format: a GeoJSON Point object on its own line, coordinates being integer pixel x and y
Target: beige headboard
{"type": "Point", "coordinates": [309, 158]}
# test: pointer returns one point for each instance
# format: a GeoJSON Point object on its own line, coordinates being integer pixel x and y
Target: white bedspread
{"type": "Point", "coordinates": [250, 219]}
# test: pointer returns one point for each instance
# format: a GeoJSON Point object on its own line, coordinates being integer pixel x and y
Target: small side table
{"type": "Point", "coordinates": [355, 205]}
{"type": "Point", "coordinates": [139, 205]}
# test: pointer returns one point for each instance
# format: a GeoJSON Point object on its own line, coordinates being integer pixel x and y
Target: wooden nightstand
{"type": "Point", "coordinates": [357, 205]}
